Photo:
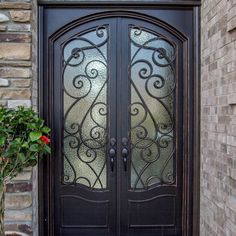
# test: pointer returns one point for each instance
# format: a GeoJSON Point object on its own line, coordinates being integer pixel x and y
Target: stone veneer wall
{"type": "Point", "coordinates": [15, 89]}
{"type": "Point", "coordinates": [218, 122]}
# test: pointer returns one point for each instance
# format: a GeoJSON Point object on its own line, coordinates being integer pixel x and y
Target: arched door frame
{"type": "Point", "coordinates": [191, 201]}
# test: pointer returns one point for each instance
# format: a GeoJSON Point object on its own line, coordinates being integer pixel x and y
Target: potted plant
{"type": "Point", "coordinates": [23, 140]}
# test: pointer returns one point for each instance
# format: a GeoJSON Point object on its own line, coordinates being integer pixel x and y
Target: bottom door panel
{"type": "Point", "coordinates": [85, 217]}
{"type": "Point", "coordinates": [156, 212]}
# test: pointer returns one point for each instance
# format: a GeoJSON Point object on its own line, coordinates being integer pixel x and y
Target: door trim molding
{"type": "Point", "coordinates": [197, 122]}
{"type": "Point", "coordinates": [118, 13]}
{"type": "Point", "coordinates": [45, 200]}
{"type": "Point", "coordinates": [117, 3]}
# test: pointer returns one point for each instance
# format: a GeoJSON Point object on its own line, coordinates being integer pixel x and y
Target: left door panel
{"type": "Point", "coordinates": [83, 88]}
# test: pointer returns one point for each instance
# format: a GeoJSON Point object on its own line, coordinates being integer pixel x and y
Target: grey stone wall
{"type": "Point", "coordinates": [16, 89]}
{"type": "Point", "coordinates": [218, 121]}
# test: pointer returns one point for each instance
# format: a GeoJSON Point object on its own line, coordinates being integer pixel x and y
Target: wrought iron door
{"type": "Point", "coordinates": [116, 90]}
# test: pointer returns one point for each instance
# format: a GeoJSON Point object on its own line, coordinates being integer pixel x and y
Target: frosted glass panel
{"type": "Point", "coordinates": [85, 108]}
{"type": "Point", "coordinates": [152, 77]}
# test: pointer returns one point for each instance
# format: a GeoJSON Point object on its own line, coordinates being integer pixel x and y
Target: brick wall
{"type": "Point", "coordinates": [218, 126]}
{"type": "Point", "coordinates": [15, 89]}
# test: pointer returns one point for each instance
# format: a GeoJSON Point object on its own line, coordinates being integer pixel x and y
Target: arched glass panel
{"type": "Point", "coordinates": [152, 134]}
{"type": "Point", "coordinates": [85, 77]}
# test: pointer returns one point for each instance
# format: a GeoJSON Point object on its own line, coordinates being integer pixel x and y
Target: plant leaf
{"type": "Point", "coordinates": [34, 148]}
{"type": "Point", "coordinates": [25, 144]}
{"type": "Point", "coordinates": [47, 149]}
{"type": "Point", "coordinates": [21, 157]}
{"type": "Point", "coordinates": [2, 140]}
{"type": "Point", "coordinates": [46, 129]}
{"type": "Point", "coordinates": [35, 135]}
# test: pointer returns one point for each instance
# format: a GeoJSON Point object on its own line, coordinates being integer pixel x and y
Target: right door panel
{"type": "Point", "coordinates": [152, 131]}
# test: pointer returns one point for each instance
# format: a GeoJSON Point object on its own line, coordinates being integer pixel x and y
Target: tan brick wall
{"type": "Point", "coordinates": [218, 126]}
{"type": "Point", "coordinates": [15, 89]}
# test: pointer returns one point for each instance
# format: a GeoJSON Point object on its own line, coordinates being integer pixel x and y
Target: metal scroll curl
{"type": "Point", "coordinates": [152, 134]}
{"type": "Point", "coordinates": [85, 77]}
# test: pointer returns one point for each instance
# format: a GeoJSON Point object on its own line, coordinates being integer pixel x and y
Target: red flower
{"type": "Point", "coordinates": [45, 139]}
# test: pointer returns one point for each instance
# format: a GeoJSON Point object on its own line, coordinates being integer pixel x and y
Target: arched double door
{"type": "Point", "coordinates": [116, 108]}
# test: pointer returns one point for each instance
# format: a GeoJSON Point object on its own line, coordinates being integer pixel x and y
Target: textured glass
{"type": "Point", "coordinates": [85, 108]}
{"type": "Point", "coordinates": [152, 78]}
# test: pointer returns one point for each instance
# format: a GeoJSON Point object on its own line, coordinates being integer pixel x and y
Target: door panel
{"type": "Point", "coordinates": [117, 83]}
{"type": "Point", "coordinates": [85, 185]}
{"type": "Point", "coordinates": [147, 158]}
{"type": "Point", "coordinates": [151, 188]}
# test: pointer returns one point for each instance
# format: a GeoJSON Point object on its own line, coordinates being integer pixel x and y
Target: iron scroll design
{"type": "Point", "coordinates": [152, 133]}
{"type": "Point", "coordinates": [85, 79]}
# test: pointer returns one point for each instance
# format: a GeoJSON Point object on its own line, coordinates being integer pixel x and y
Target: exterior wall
{"type": "Point", "coordinates": [18, 85]}
{"type": "Point", "coordinates": [218, 121]}
{"type": "Point", "coordinates": [15, 89]}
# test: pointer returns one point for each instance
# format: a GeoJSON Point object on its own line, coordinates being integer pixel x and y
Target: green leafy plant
{"type": "Point", "coordinates": [23, 140]}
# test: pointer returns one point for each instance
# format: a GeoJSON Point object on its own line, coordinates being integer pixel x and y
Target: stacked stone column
{"type": "Point", "coordinates": [15, 90]}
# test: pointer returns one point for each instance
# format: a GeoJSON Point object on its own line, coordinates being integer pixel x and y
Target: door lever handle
{"type": "Point", "coordinates": [125, 153]}
{"type": "Point", "coordinates": [112, 154]}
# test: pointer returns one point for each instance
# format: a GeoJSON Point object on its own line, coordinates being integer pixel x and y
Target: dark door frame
{"type": "Point", "coordinates": [45, 215]}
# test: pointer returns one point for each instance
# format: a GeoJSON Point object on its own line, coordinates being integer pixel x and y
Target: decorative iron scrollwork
{"type": "Point", "coordinates": [85, 77]}
{"type": "Point", "coordinates": [152, 134]}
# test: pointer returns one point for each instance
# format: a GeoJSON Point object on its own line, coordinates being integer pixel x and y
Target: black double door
{"type": "Point", "coordinates": [116, 114]}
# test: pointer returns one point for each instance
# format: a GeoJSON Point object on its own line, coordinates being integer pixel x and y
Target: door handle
{"type": "Point", "coordinates": [112, 154]}
{"type": "Point", "coordinates": [125, 153]}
